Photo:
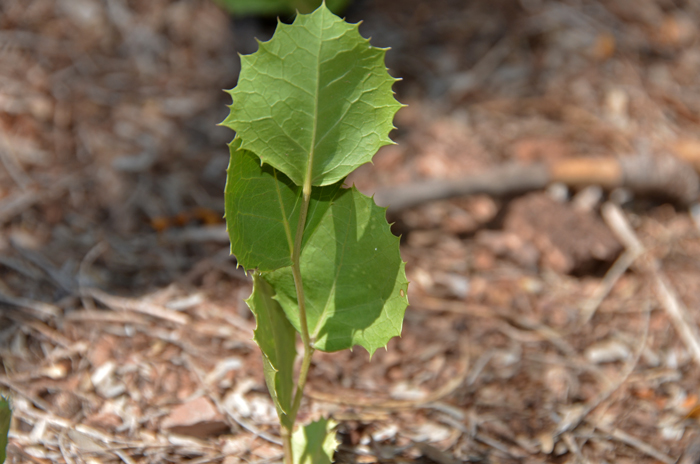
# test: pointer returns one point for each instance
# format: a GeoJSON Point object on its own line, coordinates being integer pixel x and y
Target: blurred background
{"type": "Point", "coordinates": [122, 311]}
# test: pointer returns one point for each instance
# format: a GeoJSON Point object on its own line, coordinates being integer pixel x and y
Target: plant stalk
{"type": "Point", "coordinates": [287, 445]}
{"type": "Point", "coordinates": [286, 433]}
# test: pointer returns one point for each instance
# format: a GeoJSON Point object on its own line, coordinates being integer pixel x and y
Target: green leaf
{"type": "Point", "coordinates": [315, 443]}
{"type": "Point", "coordinates": [354, 279]}
{"type": "Point", "coordinates": [5, 416]}
{"type": "Point", "coordinates": [262, 211]}
{"type": "Point", "coordinates": [277, 340]}
{"type": "Point", "coordinates": [272, 7]}
{"type": "Point", "coordinates": [315, 101]}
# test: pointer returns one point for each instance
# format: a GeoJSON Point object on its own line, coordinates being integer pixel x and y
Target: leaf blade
{"type": "Point", "coordinates": [276, 338]}
{"type": "Point", "coordinates": [354, 279]}
{"type": "Point", "coordinates": [326, 103]}
{"type": "Point", "coordinates": [262, 211]}
{"type": "Point", "coordinates": [315, 443]}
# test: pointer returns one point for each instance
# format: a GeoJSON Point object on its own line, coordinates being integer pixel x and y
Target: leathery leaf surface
{"type": "Point", "coordinates": [277, 340]}
{"type": "Point", "coordinates": [354, 279]}
{"type": "Point", "coordinates": [262, 211]}
{"type": "Point", "coordinates": [315, 101]}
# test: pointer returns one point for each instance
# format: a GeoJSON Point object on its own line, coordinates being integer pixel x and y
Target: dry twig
{"type": "Point", "coordinates": [675, 309]}
{"type": "Point", "coordinates": [139, 306]}
{"type": "Point", "coordinates": [370, 403]}
{"type": "Point", "coordinates": [666, 176]}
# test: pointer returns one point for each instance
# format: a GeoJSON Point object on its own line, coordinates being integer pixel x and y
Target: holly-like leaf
{"type": "Point", "coordinates": [315, 101]}
{"type": "Point", "coordinates": [354, 279]}
{"type": "Point", "coordinates": [315, 443]}
{"type": "Point", "coordinates": [277, 340]}
{"type": "Point", "coordinates": [262, 211]}
{"type": "Point", "coordinates": [5, 416]}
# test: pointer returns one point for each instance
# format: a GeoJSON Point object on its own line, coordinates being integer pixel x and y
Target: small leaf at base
{"type": "Point", "coordinates": [315, 443]}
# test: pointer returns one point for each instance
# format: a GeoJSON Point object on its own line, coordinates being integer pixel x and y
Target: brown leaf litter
{"type": "Point", "coordinates": [551, 327]}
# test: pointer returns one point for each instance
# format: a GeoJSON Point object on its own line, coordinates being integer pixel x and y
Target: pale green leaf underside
{"type": "Point", "coordinates": [316, 96]}
{"type": "Point", "coordinates": [315, 443]}
{"type": "Point", "coordinates": [354, 279]}
{"type": "Point", "coordinates": [262, 211]}
{"type": "Point", "coordinates": [5, 416]}
{"type": "Point", "coordinates": [277, 340]}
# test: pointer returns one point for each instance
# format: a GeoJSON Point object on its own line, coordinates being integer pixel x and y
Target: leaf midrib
{"type": "Point", "coordinates": [312, 150]}
{"type": "Point", "coordinates": [285, 220]}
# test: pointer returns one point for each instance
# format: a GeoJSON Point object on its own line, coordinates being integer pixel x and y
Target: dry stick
{"type": "Point", "coordinates": [679, 316]}
{"type": "Point", "coordinates": [32, 416]}
{"type": "Point", "coordinates": [570, 442]}
{"type": "Point", "coordinates": [19, 202]}
{"type": "Point", "coordinates": [124, 457]}
{"type": "Point", "coordinates": [85, 265]}
{"type": "Point", "coordinates": [14, 449]}
{"type": "Point", "coordinates": [12, 166]}
{"type": "Point", "coordinates": [511, 324]}
{"type": "Point", "coordinates": [351, 400]}
{"type": "Point", "coordinates": [40, 328]}
{"type": "Point", "coordinates": [223, 408]}
{"type": "Point", "coordinates": [617, 270]}
{"type": "Point", "coordinates": [64, 451]}
{"type": "Point", "coordinates": [503, 180]}
{"type": "Point", "coordinates": [636, 443]}
{"type": "Point", "coordinates": [458, 423]}
{"type": "Point", "coordinates": [41, 370]}
{"type": "Point", "coordinates": [675, 309]}
{"type": "Point", "coordinates": [633, 250]}
{"type": "Point", "coordinates": [40, 309]}
{"type": "Point", "coordinates": [16, 388]}
{"type": "Point", "coordinates": [129, 304]}
{"type": "Point", "coordinates": [576, 419]}
{"type": "Point", "coordinates": [108, 316]}
{"type": "Point", "coordinates": [667, 176]}
{"type": "Point", "coordinates": [60, 277]}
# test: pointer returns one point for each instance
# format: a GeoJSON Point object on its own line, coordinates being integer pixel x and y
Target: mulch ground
{"type": "Point", "coordinates": [553, 326]}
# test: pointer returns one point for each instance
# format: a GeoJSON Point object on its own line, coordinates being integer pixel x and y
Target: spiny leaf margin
{"type": "Point", "coordinates": [336, 121]}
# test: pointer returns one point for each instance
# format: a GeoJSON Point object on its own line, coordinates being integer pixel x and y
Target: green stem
{"type": "Point", "coordinates": [287, 445]}
{"type": "Point", "coordinates": [305, 337]}
{"type": "Point", "coordinates": [296, 266]}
